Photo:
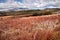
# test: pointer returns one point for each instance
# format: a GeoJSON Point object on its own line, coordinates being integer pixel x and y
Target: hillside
{"type": "Point", "coordinates": [31, 12]}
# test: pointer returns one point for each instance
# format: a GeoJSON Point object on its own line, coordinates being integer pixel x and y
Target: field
{"type": "Point", "coordinates": [30, 25]}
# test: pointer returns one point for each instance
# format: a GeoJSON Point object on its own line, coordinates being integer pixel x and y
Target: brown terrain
{"type": "Point", "coordinates": [46, 27]}
{"type": "Point", "coordinates": [30, 28]}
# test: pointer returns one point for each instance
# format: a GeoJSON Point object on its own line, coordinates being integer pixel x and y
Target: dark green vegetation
{"type": "Point", "coordinates": [31, 12]}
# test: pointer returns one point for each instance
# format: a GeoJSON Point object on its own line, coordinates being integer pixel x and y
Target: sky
{"type": "Point", "coordinates": [1, 1]}
{"type": "Point", "coordinates": [30, 4]}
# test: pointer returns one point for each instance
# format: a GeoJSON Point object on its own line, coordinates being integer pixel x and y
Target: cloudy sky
{"type": "Point", "coordinates": [5, 1]}
{"type": "Point", "coordinates": [29, 4]}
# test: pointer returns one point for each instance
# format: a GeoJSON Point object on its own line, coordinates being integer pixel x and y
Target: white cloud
{"type": "Point", "coordinates": [6, 5]}
{"type": "Point", "coordinates": [42, 3]}
{"type": "Point", "coordinates": [31, 4]}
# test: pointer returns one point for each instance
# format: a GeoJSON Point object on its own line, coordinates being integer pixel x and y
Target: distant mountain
{"type": "Point", "coordinates": [13, 9]}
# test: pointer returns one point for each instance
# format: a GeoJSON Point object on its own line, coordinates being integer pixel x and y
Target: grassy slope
{"type": "Point", "coordinates": [30, 28]}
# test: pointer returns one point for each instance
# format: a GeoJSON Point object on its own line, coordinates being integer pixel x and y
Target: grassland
{"type": "Point", "coordinates": [31, 12]}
